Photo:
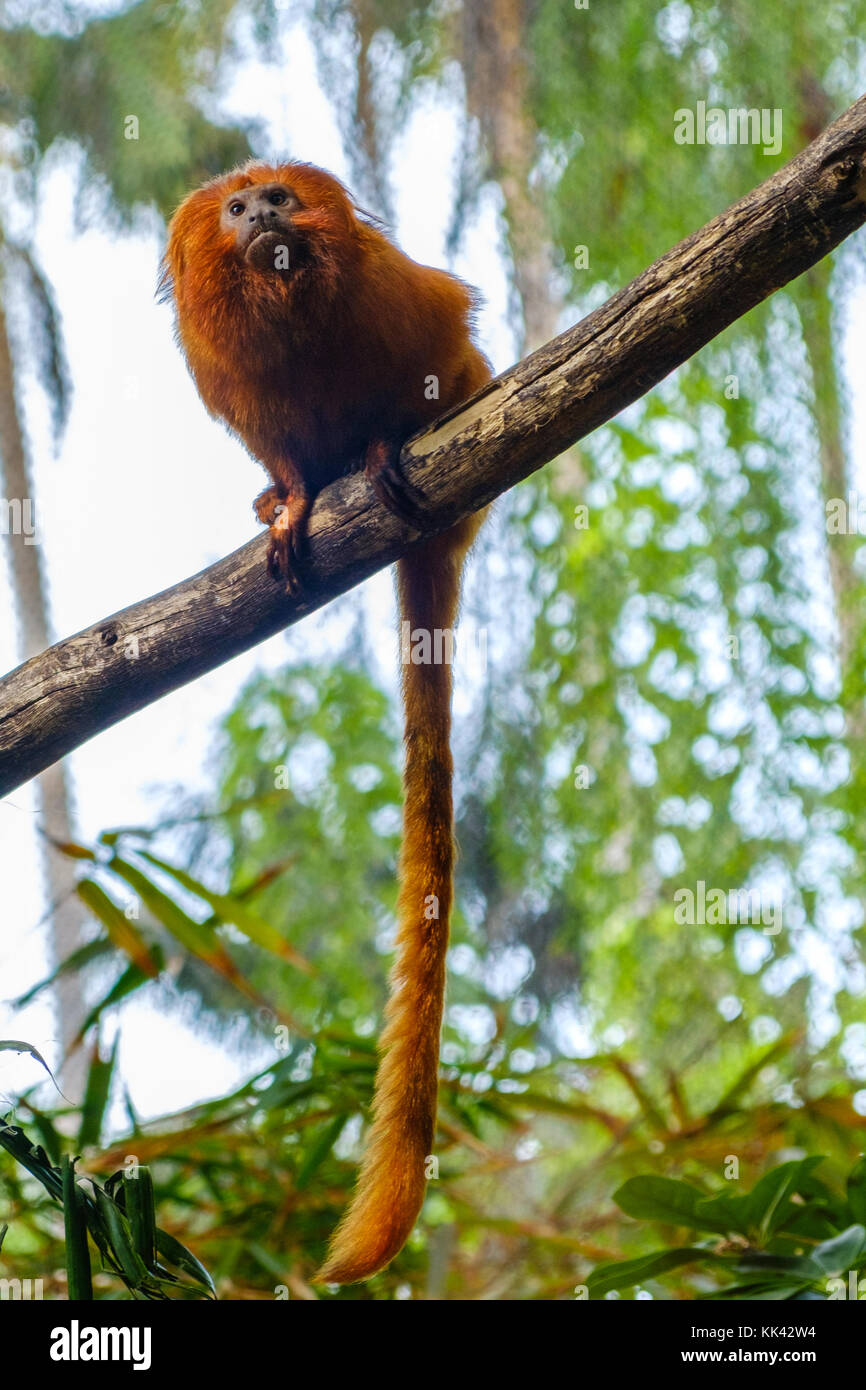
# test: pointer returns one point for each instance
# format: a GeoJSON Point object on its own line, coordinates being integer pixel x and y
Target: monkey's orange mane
{"type": "Point", "coordinates": [213, 289]}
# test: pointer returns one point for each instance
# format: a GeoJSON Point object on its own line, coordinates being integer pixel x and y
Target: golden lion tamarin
{"type": "Point", "coordinates": [315, 339]}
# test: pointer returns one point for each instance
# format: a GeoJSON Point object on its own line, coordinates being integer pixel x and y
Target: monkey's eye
{"type": "Point", "coordinates": [276, 198]}
{"type": "Point", "coordinates": [235, 209]}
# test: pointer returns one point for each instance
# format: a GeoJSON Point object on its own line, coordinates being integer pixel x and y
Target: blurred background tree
{"type": "Point", "coordinates": [672, 691]}
{"type": "Point", "coordinates": [148, 57]}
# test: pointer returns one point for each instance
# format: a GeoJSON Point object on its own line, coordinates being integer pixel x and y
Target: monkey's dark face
{"type": "Point", "coordinates": [259, 221]}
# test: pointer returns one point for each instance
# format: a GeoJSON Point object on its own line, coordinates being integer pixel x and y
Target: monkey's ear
{"type": "Point", "coordinates": [165, 282]}
{"type": "Point", "coordinates": [372, 219]}
{"type": "Point", "coordinates": [172, 265]}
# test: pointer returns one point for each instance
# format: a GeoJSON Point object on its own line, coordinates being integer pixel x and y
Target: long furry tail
{"type": "Point", "coordinates": [392, 1179]}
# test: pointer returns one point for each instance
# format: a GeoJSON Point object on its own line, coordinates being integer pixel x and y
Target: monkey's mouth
{"type": "Point", "coordinates": [264, 231]}
{"type": "Point", "coordinates": [271, 249]}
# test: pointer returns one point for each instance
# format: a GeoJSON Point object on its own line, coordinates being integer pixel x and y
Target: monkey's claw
{"type": "Point", "coordinates": [283, 559]}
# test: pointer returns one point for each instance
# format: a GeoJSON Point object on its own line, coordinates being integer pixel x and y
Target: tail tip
{"type": "Point", "coordinates": [363, 1246]}
{"type": "Point", "coordinates": [338, 1269]}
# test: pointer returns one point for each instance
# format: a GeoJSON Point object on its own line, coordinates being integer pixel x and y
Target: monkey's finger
{"type": "Point", "coordinates": [290, 573]}
{"type": "Point", "coordinates": [284, 558]}
{"type": "Point", "coordinates": [277, 556]}
{"type": "Point", "coordinates": [274, 562]}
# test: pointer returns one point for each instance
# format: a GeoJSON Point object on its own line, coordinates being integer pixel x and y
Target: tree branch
{"type": "Point", "coordinates": [520, 421]}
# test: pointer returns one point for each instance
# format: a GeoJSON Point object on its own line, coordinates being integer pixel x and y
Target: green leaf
{"type": "Point", "coordinates": [318, 1151]}
{"type": "Point", "coordinates": [665, 1199]}
{"type": "Point", "coordinates": [121, 932]}
{"type": "Point", "coordinates": [119, 1235]}
{"type": "Point", "coordinates": [626, 1273]}
{"type": "Point", "coordinates": [761, 1262]}
{"type": "Point", "coordinates": [178, 1255]}
{"type": "Point", "coordinates": [770, 1202]}
{"type": "Point", "coordinates": [740, 1291]}
{"type": "Point", "coordinates": [857, 1190]}
{"type": "Point", "coordinates": [633, 446]}
{"type": "Point", "coordinates": [229, 909]}
{"type": "Point", "coordinates": [72, 849]}
{"type": "Point", "coordinates": [810, 1223]}
{"type": "Point", "coordinates": [77, 1252]}
{"type": "Point", "coordinates": [843, 1252]}
{"type": "Point", "coordinates": [96, 1096]}
{"type": "Point", "coordinates": [139, 1203]}
{"type": "Point", "coordinates": [727, 1214]}
{"type": "Point", "coordinates": [90, 951]}
{"type": "Point", "coordinates": [131, 980]}
{"type": "Point", "coordinates": [199, 940]}
{"type": "Point", "coordinates": [32, 1157]}
{"type": "Point", "coordinates": [268, 1262]}
{"type": "Point", "coordinates": [13, 1045]}
{"type": "Point", "coordinates": [782, 1293]}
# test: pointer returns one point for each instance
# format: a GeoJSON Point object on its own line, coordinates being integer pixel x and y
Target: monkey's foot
{"type": "Point", "coordinates": [382, 467]}
{"type": "Point", "coordinates": [287, 540]}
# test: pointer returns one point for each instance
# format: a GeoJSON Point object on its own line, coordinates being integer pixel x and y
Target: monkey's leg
{"type": "Point", "coordinates": [382, 467]}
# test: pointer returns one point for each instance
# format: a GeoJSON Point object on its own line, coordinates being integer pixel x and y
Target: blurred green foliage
{"type": "Point", "coordinates": [76, 83]}
{"type": "Point", "coordinates": [792, 1238]}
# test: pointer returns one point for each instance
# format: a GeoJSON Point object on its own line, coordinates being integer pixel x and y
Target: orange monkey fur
{"type": "Point", "coordinates": [319, 363]}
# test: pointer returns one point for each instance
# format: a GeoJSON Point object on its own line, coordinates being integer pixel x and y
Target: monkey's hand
{"type": "Point", "coordinates": [382, 467]}
{"type": "Point", "coordinates": [265, 505]}
{"type": "Point", "coordinates": [286, 514]}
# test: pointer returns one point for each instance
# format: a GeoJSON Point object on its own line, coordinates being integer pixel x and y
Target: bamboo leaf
{"type": "Point", "coordinates": [75, 1224]}
{"type": "Point", "coordinates": [319, 1151]}
{"type": "Point", "coordinates": [178, 1255]}
{"type": "Point", "coordinates": [96, 1095]}
{"type": "Point", "coordinates": [198, 940]}
{"type": "Point", "coordinates": [13, 1045]}
{"type": "Point", "coordinates": [228, 909]}
{"type": "Point", "coordinates": [131, 980]}
{"type": "Point", "coordinates": [90, 951]}
{"type": "Point", "coordinates": [120, 930]}
{"type": "Point", "coordinates": [141, 1212]}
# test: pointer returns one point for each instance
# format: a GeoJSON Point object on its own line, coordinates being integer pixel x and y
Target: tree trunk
{"type": "Point", "coordinates": [816, 318]}
{"type": "Point", "coordinates": [52, 786]}
{"type": "Point", "coordinates": [497, 96]}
